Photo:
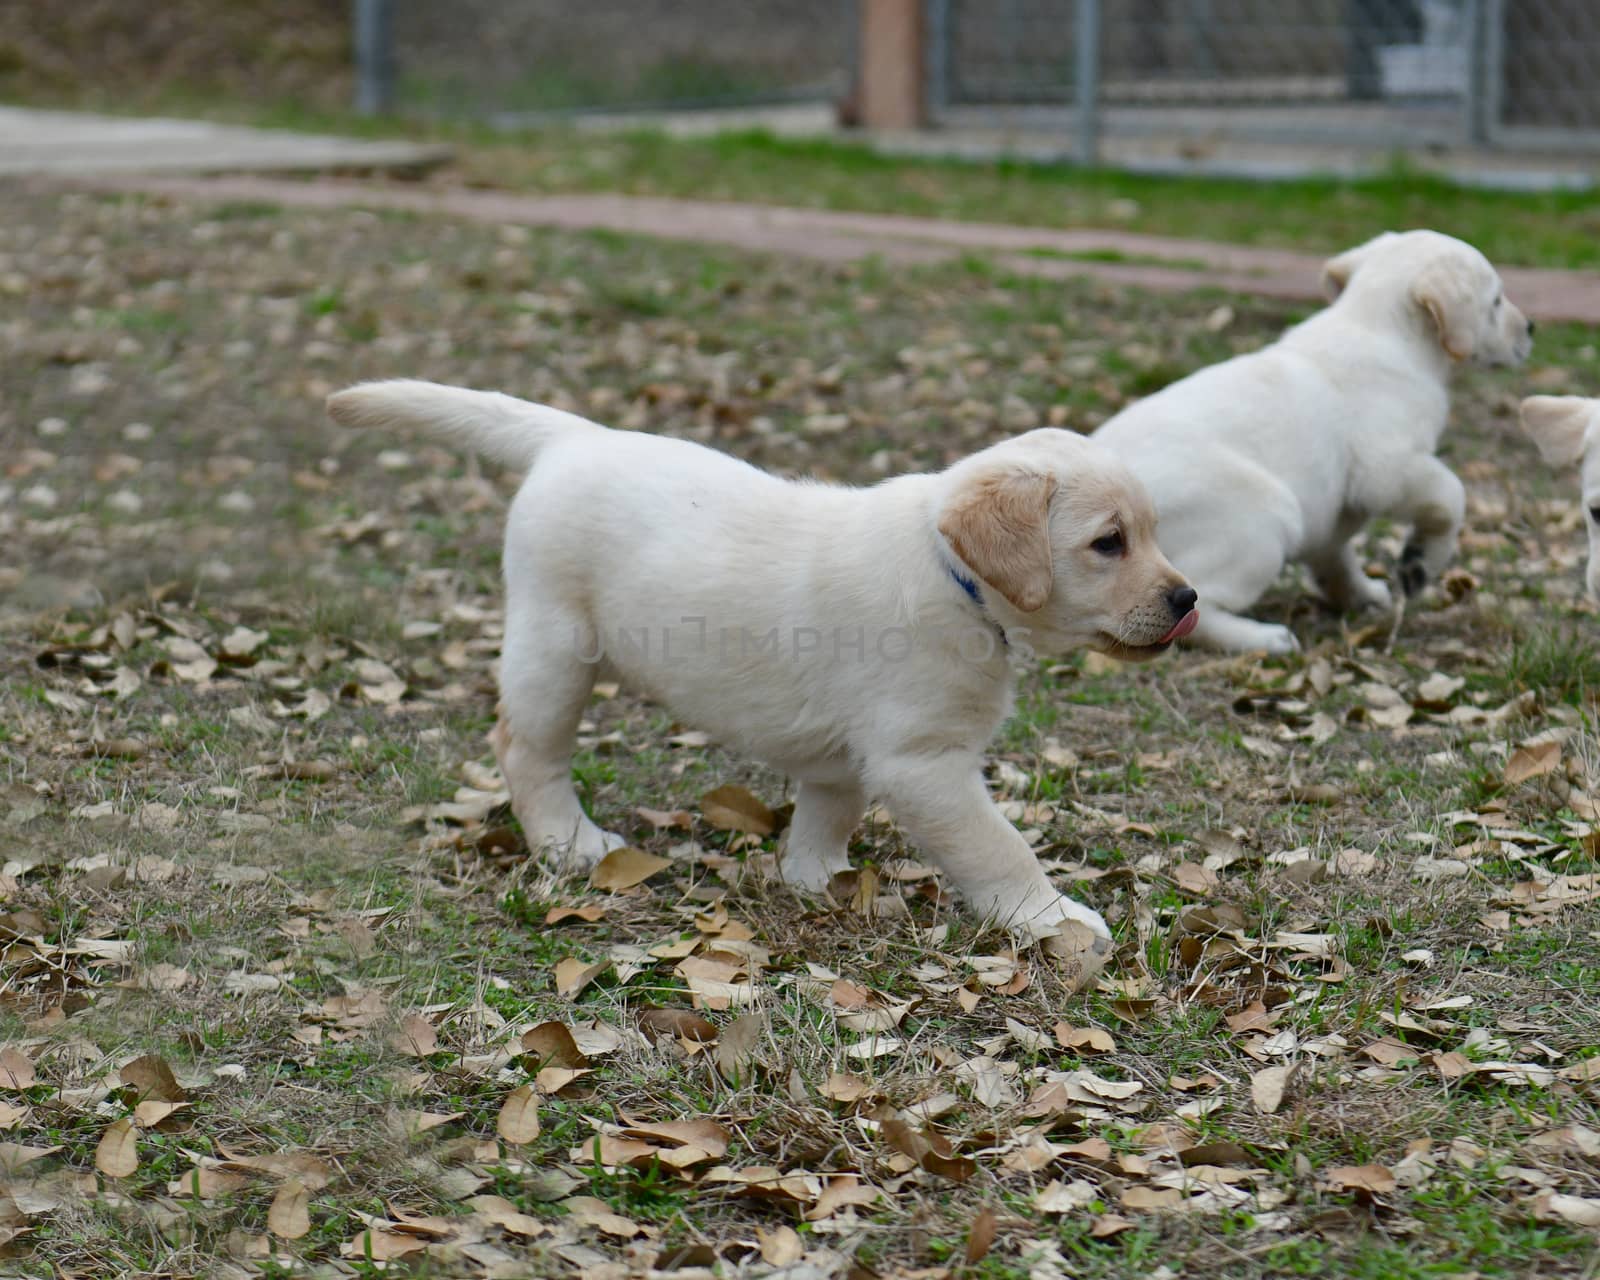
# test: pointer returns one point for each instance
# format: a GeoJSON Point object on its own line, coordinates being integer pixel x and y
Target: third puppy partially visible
{"type": "Point", "coordinates": [1567, 431]}
{"type": "Point", "coordinates": [1285, 454]}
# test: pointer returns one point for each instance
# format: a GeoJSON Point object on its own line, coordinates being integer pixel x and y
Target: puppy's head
{"type": "Point", "coordinates": [1063, 537]}
{"type": "Point", "coordinates": [1443, 283]}
{"type": "Point", "coordinates": [1567, 431]}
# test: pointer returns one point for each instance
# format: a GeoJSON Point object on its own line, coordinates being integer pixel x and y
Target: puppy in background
{"type": "Point", "coordinates": [1285, 454]}
{"type": "Point", "coordinates": [857, 640]}
{"type": "Point", "coordinates": [1567, 431]}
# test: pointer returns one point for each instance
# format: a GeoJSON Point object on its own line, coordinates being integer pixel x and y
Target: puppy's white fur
{"type": "Point", "coordinates": [822, 629]}
{"type": "Point", "coordinates": [1567, 431]}
{"type": "Point", "coordinates": [1285, 454]}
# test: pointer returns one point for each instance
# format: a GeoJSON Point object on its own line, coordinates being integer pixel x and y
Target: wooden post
{"type": "Point", "coordinates": [892, 62]}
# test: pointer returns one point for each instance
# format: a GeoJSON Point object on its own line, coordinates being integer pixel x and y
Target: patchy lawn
{"type": "Point", "coordinates": [283, 993]}
{"type": "Point", "coordinates": [1322, 215]}
{"type": "Point", "coordinates": [1318, 214]}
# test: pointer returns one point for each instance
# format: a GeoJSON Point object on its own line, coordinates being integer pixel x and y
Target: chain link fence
{"type": "Point", "coordinates": [511, 60]}
{"type": "Point", "coordinates": [1384, 73]}
{"type": "Point", "coordinates": [1374, 73]}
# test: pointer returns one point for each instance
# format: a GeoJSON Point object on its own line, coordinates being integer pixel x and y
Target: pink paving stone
{"type": "Point", "coordinates": [828, 236]}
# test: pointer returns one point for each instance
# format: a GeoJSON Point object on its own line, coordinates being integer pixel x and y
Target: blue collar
{"type": "Point", "coordinates": [967, 584]}
{"type": "Point", "coordinates": [970, 586]}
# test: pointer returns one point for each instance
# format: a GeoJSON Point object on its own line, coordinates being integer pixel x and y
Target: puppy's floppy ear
{"type": "Point", "coordinates": [1559, 425]}
{"type": "Point", "coordinates": [1444, 289]}
{"type": "Point", "coordinates": [1336, 272]}
{"type": "Point", "coordinates": [998, 523]}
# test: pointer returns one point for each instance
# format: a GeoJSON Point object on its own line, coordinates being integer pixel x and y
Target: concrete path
{"type": "Point", "coordinates": [76, 143]}
{"type": "Point", "coordinates": [1160, 262]}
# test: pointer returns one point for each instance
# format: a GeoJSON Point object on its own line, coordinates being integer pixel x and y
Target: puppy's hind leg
{"type": "Point", "coordinates": [817, 844]}
{"type": "Point", "coordinates": [1345, 584]}
{"type": "Point", "coordinates": [1435, 502]}
{"type": "Point", "coordinates": [544, 683]}
{"type": "Point", "coordinates": [1234, 558]}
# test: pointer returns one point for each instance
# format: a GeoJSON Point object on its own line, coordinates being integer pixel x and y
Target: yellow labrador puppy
{"type": "Point", "coordinates": [1567, 431]}
{"type": "Point", "coordinates": [858, 640]}
{"type": "Point", "coordinates": [1285, 454]}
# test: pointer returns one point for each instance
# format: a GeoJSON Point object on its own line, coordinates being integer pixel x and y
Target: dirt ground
{"type": "Point", "coordinates": [283, 994]}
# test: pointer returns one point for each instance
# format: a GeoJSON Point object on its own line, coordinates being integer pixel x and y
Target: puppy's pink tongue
{"type": "Point", "coordinates": [1186, 624]}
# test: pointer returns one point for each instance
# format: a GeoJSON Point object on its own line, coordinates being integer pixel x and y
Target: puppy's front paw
{"type": "Point", "coordinates": [1276, 641]}
{"type": "Point", "coordinates": [1037, 921]}
{"type": "Point", "coordinates": [581, 850]}
{"type": "Point", "coordinates": [807, 866]}
{"type": "Point", "coordinates": [1374, 593]}
{"type": "Point", "coordinates": [1078, 947]}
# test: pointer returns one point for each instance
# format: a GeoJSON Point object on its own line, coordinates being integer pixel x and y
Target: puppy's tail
{"type": "Point", "coordinates": [501, 427]}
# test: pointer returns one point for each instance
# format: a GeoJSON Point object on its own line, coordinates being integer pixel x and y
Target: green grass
{"type": "Point", "coordinates": [1316, 214]}
{"type": "Point", "coordinates": [1320, 215]}
{"type": "Point", "coordinates": [704, 343]}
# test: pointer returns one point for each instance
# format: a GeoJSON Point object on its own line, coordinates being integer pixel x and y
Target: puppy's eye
{"type": "Point", "coordinates": [1594, 514]}
{"type": "Point", "coordinates": [1110, 545]}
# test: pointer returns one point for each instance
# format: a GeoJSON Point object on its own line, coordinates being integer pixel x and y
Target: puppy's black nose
{"type": "Point", "coordinates": [1181, 600]}
{"type": "Point", "coordinates": [1531, 328]}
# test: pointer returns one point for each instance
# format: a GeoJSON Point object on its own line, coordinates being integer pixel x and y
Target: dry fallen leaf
{"type": "Point", "coordinates": [1084, 1039]}
{"type": "Point", "coordinates": [147, 1115]}
{"type": "Point", "coordinates": [980, 1238]}
{"type": "Point", "coordinates": [1372, 1178]}
{"type": "Point", "coordinates": [685, 1024]}
{"type": "Point", "coordinates": [309, 1169]}
{"type": "Point", "coordinates": [929, 1149]}
{"type": "Point", "coordinates": [737, 1046]}
{"type": "Point", "coordinates": [377, 1245]}
{"type": "Point", "coordinates": [1578, 1211]}
{"type": "Point", "coordinates": [117, 1155]}
{"type": "Point", "coordinates": [780, 1247]}
{"type": "Point", "coordinates": [1152, 1198]}
{"type": "Point", "coordinates": [735, 808]}
{"type": "Point", "coordinates": [662, 819]}
{"type": "Point", "coordinates": [552, 1080]}
{"type": "Point", "coordinates": [416, 1038]}
{"type": "Point", "coordinates": [500, 1212]}
{"type": "Point", "coordinates": [1195, 879]}
{"type": "Point", "coordinates": [589, 1211]}
{"type": "Point", "coordinates": [153, 1079]}
{"type": "Point", "coordinates": [289, 1216]}
{"type": "Point", "coordinates": [706, 1135]}
{"type": "Point", "coordinates": [588, 913]}
{"type": "Point", "coordinates": [1267, 1088]}
{"type": "Point", "coordinates": [206, 1182]}
{"type": "Point", "coordinates": [1078, 953]}
{"type": "Point", "coordinates": [551, 1045]}
{"type": "Point", "coordinates": [840, 1193]}
{"type": "Point", "coordinates": [1532, 762]}
{"type": "Point", "coordinates": [416, 1123]}
{"type": "Point", "coordinates": [16, 1070]}
{"type": "Point", "coordinates": [518, 1121]}
{"type": "Point", "coordinates": [573, 975]}
{"type": "Point", "coordinates": [624, 868]}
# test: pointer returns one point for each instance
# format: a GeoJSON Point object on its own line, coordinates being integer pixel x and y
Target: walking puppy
{"type": "Point", "coordinates": [1567, 431]}
{"type": "Point", "coordinates": [1286, 453]}
{"type": "Point", "coordinates": [856, 639]}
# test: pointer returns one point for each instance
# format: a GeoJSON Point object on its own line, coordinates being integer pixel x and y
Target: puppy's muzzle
{"type": "Point", "coordinates": [1182, 600]}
